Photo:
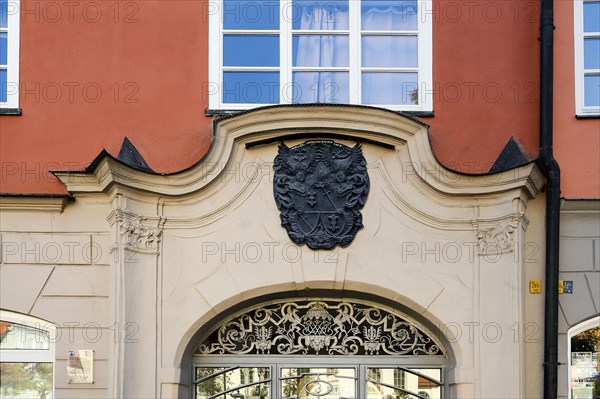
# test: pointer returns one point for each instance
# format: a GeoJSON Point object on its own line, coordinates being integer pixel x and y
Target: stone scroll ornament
{"type": "Point", "coordinates": [320, 188]}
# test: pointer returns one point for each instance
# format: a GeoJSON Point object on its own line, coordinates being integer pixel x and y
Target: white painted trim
{"type": "Point", "coordinates": [425, 58]}
{"type": "Point", "coordinates": [214, 55]}
{"type": "Point", "coordinates": [573, 331]}
{"type": "Point", "coordinates": [580, 108]}
{"type": "Point", "coordinates": [29, 355]}
{"type": "Point", "coordinates": [12, 97]}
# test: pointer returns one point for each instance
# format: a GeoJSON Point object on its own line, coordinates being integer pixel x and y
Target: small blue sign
{"type": "Point", "coordinates": [568, 287]}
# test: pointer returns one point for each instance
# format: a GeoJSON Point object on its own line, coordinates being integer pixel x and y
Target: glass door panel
{"type": "Point", "coordinates": [325, 383]}
{"type": "Point", "coordinates": [401, 383]}
{"type": "Point", "coordinates": [233, 383]}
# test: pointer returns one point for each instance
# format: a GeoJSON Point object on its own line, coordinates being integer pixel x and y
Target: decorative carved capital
{"type": "Point", "coordinates": [138, 233]}
{"type": "Point", "coordinates": [498, 238]}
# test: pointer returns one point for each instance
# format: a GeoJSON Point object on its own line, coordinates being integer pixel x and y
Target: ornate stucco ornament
{"type": "Point", "coordinates": [137, 236]}
{"type": "Point", "coordinates": [320, 327]}
{"type": "Point", "coordinates": [320, 188]}
{"type": "Point", "coordinates": [138, 233]}
{"type": "Point", "coordinates": [498, 238]}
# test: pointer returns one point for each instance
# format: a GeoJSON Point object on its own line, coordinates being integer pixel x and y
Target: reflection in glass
{"type": "Point", "coordinates": [591, 16]}
{"type": "Point", "coordinates": [19, 336]}
{"type": "Point", "coordinates": [389, 51]}
{"type": "Point", "coordinates": [3, 85]}
{"type": "Point", "coordinates": [591, 53]}
{"type": "Point", "coordinates": [320, 50]}
{"type": "Point", "coordinates": [251, 15]}
{"type": "Point", "coordinates": [320, 87]}
{"type": "Point", "coordinates": [390, 88]}
{"type": "Point", "coordinates": [389, 15]}
{"type": "Point", "coordinates": [385, 383]}
{"type": "Point", "coordinates": [237, 383]}
{"type": "Point", "coordinates": [26, 380]}
{"type": "Point", "coordinates": [3, 47]}
{"type": "Point", "coordinates": [307, 383]}
{"type": "Point", "coordinates": [250, 50]}
{"type": "Point", "coordinates": [251, 87]}
{"type": "Point", "coordinates": [591, 90]}
{"type": "Point", "coordinates": [3, 13]}
{"type": "Point", "coordinates": [585, 368]}
{"type": "Point", "coordinates": [320, 14]}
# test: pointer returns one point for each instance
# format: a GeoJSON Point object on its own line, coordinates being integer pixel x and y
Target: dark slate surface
{"type": "Point", "coordinates": [130, 156]}
{"type": "Point", "coordinates": [511, 156]}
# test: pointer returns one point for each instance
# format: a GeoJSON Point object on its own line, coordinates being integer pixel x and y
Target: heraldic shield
{"type": "Point", "coordinates": [320, 188]}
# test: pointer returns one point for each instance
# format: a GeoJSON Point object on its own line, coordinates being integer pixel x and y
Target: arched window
{"type": "Point", "coordinates": [584, 367]}
{"type": "Point", "coordinates": [322, 348]}
{"type": "Point", "coordinates": [26, 357]}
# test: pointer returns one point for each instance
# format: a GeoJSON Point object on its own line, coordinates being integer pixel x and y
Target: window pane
{"type": "Point", "coordinates": [390, 88]}
{"type": "Point", "coordinates": [3, 86]}
{"type": "Point", "coordinates": [591, 53]}
{"type": "Point", "coordinates": [320, 50]}
{"type": "Point", "coordinates": [389, 51]}
{"type": "Point", "coordinates": [18, 336]}
{"type": "Point", "coordinates": [243, 14]}
{"type": "Point", "coordinates": [250, 50]}
{"type": "Point", "coordinates": [214, 381]}
{"type": "Point", "coordinates": [413, 383]}
{"type": "Point", "coordinates": [3, 48]}
{"type": "Point", "coordinates": [334, 383]}
{"type": "Point", "coordinates": [3, 13]}
{"type": "Point", "coordinates": [591, 16]}
{"type": "Point", "coordinates": [585, 380]}
{"type": "Point", "coordinates": [320, 87]}
{"type": "Point", "coordinates": [389, 15]}
{"type": "Point", "coordinates": [325, 15]}
{"type": "Point", "coordinates": [592, 90]}
{"type": "Point", "coordinates": [26, 380]}
{"type": "Point", "coordinates": [251, 87]}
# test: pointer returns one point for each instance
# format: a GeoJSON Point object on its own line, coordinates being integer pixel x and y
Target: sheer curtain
{"type": "Point", "coordinates": [321, 51]}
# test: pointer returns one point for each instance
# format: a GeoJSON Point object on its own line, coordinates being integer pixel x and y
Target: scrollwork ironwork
{"type": "Point", "coordinates": [320, 327]}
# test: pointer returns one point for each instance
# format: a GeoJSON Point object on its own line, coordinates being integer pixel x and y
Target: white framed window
{"type": "Point", "coordinates": [9, 53]}
{"type": "Point", "coordinates": [26, 356]}
{"type": "Point", "coordinates": [368, 52]}
{"type": "Point", "coordinates": [587, 57]}
{"type": "Point", "coordinates": [583, 352]}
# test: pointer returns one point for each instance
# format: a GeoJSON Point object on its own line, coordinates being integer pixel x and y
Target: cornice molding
{"type": "Point", "coordinates": [33, 203]}
{"type": "Point", "coordinates": [233, 134]}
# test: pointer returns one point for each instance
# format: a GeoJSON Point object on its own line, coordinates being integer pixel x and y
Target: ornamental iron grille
{"type": "Point", "coordinates": [320, 327]}
{"type": "Point", "coordinates": [320, 188]}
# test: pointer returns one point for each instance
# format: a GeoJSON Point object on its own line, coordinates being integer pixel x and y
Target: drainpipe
{"type": "Point", "coordinates": [551, 170]}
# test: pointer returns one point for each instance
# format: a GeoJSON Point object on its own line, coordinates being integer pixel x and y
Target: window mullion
{"type": "Point", "coordinates": [354, 51]}
{"type": "Point", "coordinates": [285, 53]}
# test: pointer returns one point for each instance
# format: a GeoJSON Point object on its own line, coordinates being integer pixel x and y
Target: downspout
{"type": "Point", "coordinates": [551, 170]}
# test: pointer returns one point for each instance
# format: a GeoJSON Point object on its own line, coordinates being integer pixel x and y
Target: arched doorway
{"type": "Point", "coordinates": [319, 348]}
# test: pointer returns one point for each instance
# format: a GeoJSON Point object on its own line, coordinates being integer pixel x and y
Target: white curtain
{"type": "Point", "coordinates": [321, 51]}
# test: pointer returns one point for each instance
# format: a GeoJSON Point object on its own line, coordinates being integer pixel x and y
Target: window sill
{"type": "Point", "coordinates": [229, 112]}
{"type": "Point", "coordinates": [587, 116]}
{"type": "Point", "coordinates": [11, 111]}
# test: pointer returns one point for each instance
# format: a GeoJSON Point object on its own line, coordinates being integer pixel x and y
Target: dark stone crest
{"type": "Point", "coordinates": [320, 188]}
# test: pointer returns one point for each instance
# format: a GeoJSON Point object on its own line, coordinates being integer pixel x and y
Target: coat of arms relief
{"type": "Point", "coordinates": [320, 188]}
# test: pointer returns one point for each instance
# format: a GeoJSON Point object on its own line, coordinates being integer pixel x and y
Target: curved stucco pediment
{"type": "Point", "coordinates": [234, 135]}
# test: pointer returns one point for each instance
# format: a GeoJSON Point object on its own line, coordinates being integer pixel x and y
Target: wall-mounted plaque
{"type": "Point", "coordinates": [80, 366]}
{"type": "Point", "coordinates": [320, 188]}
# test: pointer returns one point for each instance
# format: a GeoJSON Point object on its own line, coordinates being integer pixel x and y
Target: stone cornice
{"type": "Point", "coordinates": [233, 134]}
{"type": "Point", "coordinates": [33, 203]}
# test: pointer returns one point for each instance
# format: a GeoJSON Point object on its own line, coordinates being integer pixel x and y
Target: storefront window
{"type": "Point", "coordinates": [585, 368]}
